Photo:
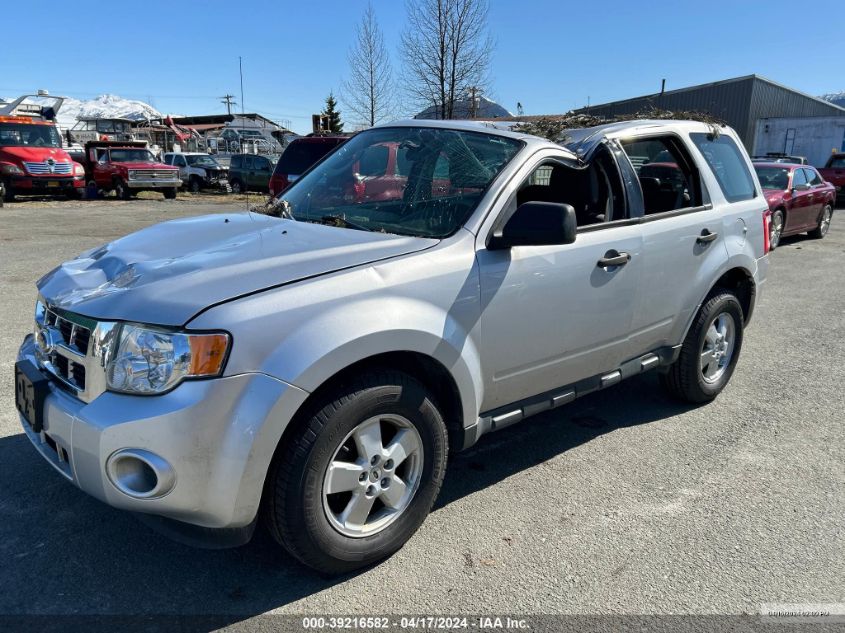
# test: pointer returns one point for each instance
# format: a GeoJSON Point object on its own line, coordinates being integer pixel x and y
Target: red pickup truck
{"type": "Point", "coordinates": [834, 173]}
{"type": "Point", "coordinates": [126, 168]}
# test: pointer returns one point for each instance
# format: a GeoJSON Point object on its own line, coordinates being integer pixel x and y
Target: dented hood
{"type": "Point", "coordinates": [167, 273]}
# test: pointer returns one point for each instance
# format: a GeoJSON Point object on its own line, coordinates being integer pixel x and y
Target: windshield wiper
{"type": "Point", "coordinates": [339, 220]}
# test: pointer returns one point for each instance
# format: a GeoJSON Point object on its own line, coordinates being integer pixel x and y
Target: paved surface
{"type": "Point", "coordinates": [623, 502]}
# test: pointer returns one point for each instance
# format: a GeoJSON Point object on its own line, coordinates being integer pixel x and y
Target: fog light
{"type": "Point", "coordinates": [140, 474]}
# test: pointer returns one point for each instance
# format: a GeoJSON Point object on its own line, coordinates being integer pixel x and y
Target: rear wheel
{"type": "Point", "coordinates": [775, 229]}
{"type": "Point", "coordinates": [824, 223]}
{"type": "Point", "coordinates": [710, 351]}
{"type": "Point", "coordinates": [357, 479]}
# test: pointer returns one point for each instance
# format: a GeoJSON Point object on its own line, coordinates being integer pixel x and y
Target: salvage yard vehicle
{"type": "Point", "coordinates": [32, 161]}
{"type": "Point", "coordinates": [799, 198]}
{"type": "Point", "coordinates": [250, 172]}
{"type": "Point", "coordinates": [298, 158]}
{"type": "Point", "coordinates": [126, 168]}
{"type": "Point", "coordinates": [834, 173]}
{"type": "Point", "coordinates": [315, 364]}
{"type": "Point", "coordinates": [199, 171]}
{"type": "Point", "coordinates": [101, 129]}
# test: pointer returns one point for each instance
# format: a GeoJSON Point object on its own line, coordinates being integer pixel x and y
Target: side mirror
{"type": "Point", "coordinates": [536, 224]}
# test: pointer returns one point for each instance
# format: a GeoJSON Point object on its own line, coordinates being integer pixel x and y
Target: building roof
{"type": "Point", "coordinates": [715, 84]}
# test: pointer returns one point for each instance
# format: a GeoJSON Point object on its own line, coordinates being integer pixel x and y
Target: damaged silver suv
{"type": "Point", "coordinates": [424, 284]}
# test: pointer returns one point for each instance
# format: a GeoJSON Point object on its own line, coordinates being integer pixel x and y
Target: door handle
{"type": "Point", "coordinates": [706, 237]}
{"type": "Point", "coordinates": [613, 258]}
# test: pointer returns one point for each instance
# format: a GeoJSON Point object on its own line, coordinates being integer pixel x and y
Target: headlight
{"type": "Point", "coordinates": [132, 173]}
{"type": "Point", "coordinates": [11, 170]}
{"type": "Point", "coordinates": [78, 170]}
{"type": "Point", "coordinates": [151, 361]}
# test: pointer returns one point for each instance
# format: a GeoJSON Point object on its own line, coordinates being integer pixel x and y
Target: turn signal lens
{"type": "Point", "coordinates": [208, 351]}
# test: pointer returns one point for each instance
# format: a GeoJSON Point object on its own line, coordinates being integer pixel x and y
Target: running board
{"type": "Point", "coordinates": [509, 415]}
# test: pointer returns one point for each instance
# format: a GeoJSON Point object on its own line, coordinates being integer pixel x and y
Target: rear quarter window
{"type": "Point", "coordinates": [728, 164]}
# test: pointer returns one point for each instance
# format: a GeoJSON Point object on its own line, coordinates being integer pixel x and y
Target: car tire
{"type": "Point", "coordinates": [710, 350]}
{"type": "Point", "coordinates": [237, 186]}
{"type": "Point", "coordinates": [318, 525]}
{"type": "Point", "coordinates": [122, 191]}
{"type": "Point", "coordinates": [195, 186]}
{"type": "Point", "coordinates": [170, 194]}
{"type": "Point", "coordinates": [824, 223]}
{"type": "Point", "coordinates": [8, 195]}
{"type": "Point", "coordinates": [775, 229]}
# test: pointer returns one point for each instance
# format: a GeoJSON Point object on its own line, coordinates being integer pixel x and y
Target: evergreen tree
{"type": "Point", "coordinates": [331, 111]}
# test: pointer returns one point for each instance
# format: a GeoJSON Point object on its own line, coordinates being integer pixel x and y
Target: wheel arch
{"type": "Point", "coordinates": [429, 371]}
{"type": "Point", "coordinates": [740, 281]}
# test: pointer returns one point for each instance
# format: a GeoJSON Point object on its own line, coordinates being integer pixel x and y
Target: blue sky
{"type": "Point", "coordinates": [550, 55]}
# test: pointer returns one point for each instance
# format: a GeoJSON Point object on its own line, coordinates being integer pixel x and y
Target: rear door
{"type": "Point", "coordinates": [819, 195]}
{"type": "Point", "coordinates": [683, 245]}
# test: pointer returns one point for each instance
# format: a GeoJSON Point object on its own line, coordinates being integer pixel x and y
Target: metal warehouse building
{"type": "Point", "coordinates": [740, 102]}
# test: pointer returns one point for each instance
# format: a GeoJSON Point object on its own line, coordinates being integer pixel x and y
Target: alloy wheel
{"type": "Point", "coordinates": [718, 347]}
{"type": "Point", "coordinates": [373, 475]}
{"type": "Point", "coordinates": [824, 225]}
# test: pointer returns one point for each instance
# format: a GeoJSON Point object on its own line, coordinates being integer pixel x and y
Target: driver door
{"type": "Point", "coordinates": [553, 315]}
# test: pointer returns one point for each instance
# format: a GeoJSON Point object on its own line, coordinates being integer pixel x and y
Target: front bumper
{"type": "Point", "coordinates": [158, 183]}
{"type": "Point", "coordinates": [217, 436]}
{"type": "Point", "coordinates": [44, 185]}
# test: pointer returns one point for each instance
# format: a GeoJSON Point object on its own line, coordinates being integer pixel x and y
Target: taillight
{"type": "Point", "coordinates": [767, 220]}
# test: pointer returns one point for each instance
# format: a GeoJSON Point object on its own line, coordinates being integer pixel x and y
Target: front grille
{"type": "Point", "coordinates": [66, 360]}
{"type": "Point", "coordinates": [153, 174]}
{"type": "Point", "coordinates": [44, 168]}
{"type": "Point", "coordinates": [74, 335]}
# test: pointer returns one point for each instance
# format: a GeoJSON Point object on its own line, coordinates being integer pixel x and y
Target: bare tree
{"type": "Point", "coordinates": [446, 51]}
{"type": "Point", "coordinates": [367, 92]}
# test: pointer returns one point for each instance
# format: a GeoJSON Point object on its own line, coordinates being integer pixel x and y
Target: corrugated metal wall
{"type": "Point", "coordinates": [739, 103]}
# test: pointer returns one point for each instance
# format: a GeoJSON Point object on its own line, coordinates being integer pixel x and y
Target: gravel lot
{"type": "Point", "coordinates": [623, 502]}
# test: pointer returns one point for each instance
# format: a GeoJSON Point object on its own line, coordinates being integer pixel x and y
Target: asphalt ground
{"type": "Point", "coordinates": [624, 502]}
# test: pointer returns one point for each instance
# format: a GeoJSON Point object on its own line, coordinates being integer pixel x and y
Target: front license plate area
{"type": "Point", "coordinates": [52, 183]}
{"type": "Point", "coordinates": [31, 389]}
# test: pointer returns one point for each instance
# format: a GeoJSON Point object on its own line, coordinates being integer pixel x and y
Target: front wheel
{"type": "Point", "coordinates": [170, 194]}
{"type": "Point", "coordinates": [359, 477]}
{"type": "Point", "coordinates": [195, 185]}
{"type": "Point", "coordinates": [122, 190]}
{"type": "Point", "coordinates": [710, 351]}
{"type": "Point", "coordinates": [824, 223]}
{"type": "Point", "coordinates": [237, 186]}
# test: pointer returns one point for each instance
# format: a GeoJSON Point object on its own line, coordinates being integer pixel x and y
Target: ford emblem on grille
{"type": "Point", "coordinates": [47, 338]}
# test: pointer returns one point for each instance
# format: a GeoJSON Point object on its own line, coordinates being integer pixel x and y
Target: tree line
{"type": "Point", "coordinates": [445, 52]}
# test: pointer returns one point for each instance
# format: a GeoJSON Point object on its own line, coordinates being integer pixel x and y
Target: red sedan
{"type": "Point", "coordinates": [800, 200]}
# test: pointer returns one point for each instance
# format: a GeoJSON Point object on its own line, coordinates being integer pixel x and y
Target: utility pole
{"type": "Point", "coordinates": [474, 101]}
{"type": "Point", "coordinates": [229, 101]}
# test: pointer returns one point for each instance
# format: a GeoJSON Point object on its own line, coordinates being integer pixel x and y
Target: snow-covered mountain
{"type": "Point", "coordinates": [837, 98]}
{"type": "Point", "coordinates": [106, 106]}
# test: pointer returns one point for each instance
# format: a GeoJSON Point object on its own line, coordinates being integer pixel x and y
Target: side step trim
{"type": "Point", "coordinates": [511, 414]}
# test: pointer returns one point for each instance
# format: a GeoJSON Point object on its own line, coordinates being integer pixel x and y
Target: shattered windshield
{"type": "Point", "coordinates": [423, 182]}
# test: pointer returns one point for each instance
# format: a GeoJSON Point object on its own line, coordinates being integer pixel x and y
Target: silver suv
{"type": "Point", "coordinates": [423, 285]}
